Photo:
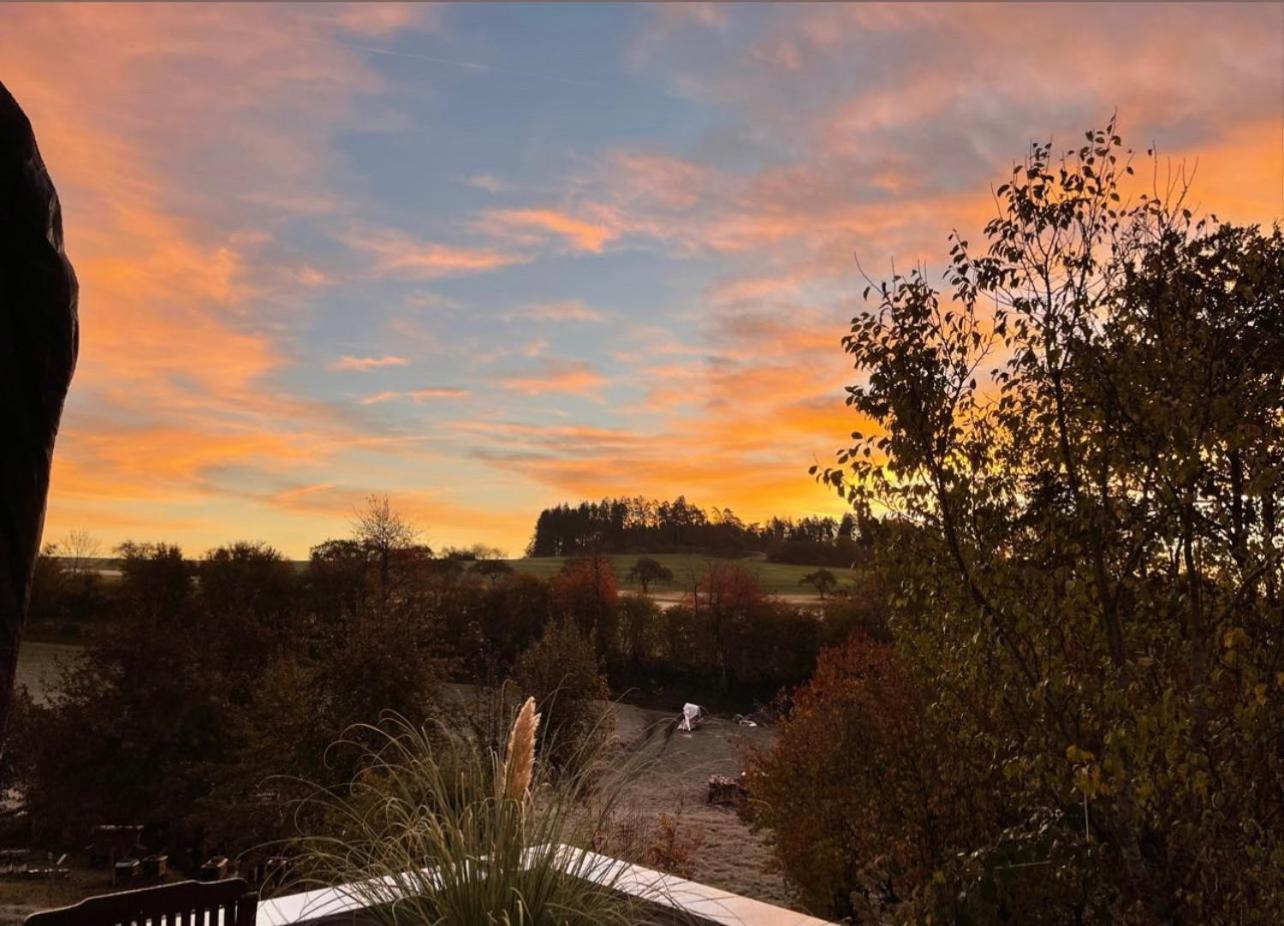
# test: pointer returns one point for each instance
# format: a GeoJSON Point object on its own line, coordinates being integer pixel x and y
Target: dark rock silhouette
{"type": "Point", "coordinates": [39, 337]}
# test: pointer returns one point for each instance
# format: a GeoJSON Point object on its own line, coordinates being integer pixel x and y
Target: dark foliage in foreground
{"type": "Point", "coordinates": [1082, 713]}
{"type": "Point", "coordinates": [208, 690]}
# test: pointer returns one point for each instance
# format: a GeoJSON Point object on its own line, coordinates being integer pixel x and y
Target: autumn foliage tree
{"type": "Point", "coordinates": [1087, 435]}
{"type": "Point", "coordinates": [587, 590]}
{"type": "Point", "coordinates": [859, 802]}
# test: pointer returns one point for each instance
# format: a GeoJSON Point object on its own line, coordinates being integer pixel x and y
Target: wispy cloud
{"type": "Point", "coordinates": [571, 377]}
{"type": "Point", "coordinates": [402, 256]}
{"type": "Point", "coordinates": [488, 182]}
{"type": "Point", "coordinates": [565, 310]}
{"type": "Point", "coordinates": [416, 395]}
{"type": "Point", "coordinates": [580, 234]}
{"type": "Point", "coordinates": [362, 364]}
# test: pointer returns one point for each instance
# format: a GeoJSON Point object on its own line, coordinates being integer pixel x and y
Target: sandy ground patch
{"type": "Point", "coordinates": [732, 856]}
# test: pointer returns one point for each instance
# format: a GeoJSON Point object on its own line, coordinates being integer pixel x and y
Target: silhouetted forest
{"type": "Point", "coordinates": [644, 525]}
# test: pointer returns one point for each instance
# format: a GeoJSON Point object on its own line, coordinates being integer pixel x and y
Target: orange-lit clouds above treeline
{"type": "Point", "coordinates": [490, 258]}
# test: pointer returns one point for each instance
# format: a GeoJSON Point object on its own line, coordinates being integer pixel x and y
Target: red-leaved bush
{"type": "Point", "coordinates": [858, 795]}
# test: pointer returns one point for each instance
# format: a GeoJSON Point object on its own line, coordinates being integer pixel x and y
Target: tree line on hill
{"type": "Point", "coordinates": [644, 525]}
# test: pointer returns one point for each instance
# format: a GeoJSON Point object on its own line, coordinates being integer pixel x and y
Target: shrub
{"type": "Point", "coordinates": [673, 848]}
{"type": "Point", "coordinates": [852, 792]}
{"type": "Point", "coordinates": [561, 673]}
{"type": "Point", "coordinates": [637, 636]}
{"type": "Point", "coordinates": [587, 590]}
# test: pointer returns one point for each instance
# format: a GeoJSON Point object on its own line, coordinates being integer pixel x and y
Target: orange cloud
{"type": "Point", "coordinates": [183, 284]}
{"type": "Point", "coordinates": [181, 208]}
{"type": "Point", "coordinates": [557, 376]}
{"type": "Point", "coordinates": [417, 395]}
{"type": "Point", "coordinates": [399, 255]}
{"type": "Point", "coordinates": [582, 235]}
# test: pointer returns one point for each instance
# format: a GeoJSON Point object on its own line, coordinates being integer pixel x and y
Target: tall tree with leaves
{"type": "Point", "coordinates": [647, 570]}
{"type": "Point", "coordinates": [1089, 433]}
{"type": "Point", "coordinates": [822, 580]}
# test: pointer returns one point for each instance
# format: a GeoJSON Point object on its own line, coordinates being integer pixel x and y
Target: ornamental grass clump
{"type": "Point", "coordinates": [438, 828]}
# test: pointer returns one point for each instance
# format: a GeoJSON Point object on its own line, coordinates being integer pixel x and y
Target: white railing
{"type": "Point", "coordinates": [689, 898]}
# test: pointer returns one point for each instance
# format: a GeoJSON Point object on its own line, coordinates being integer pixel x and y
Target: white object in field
{"type": "Point", "coordinates": [692, 714]}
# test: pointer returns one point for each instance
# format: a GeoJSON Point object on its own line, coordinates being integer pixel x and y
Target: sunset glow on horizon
{"type": "Point", "coordinates": [486, 259]}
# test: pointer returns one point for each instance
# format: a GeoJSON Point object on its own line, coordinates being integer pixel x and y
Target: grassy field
{"type": "Point", "coordinates": [775, 578]}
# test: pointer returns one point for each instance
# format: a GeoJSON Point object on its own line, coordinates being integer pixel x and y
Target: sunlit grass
{"type": "Point", "coordinates": [689, 568]}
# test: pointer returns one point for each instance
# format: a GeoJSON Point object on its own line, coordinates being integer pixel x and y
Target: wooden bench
{"type": "Point", "coordinates": [186, 903]}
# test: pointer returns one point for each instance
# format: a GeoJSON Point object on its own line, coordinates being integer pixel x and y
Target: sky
{"type": "Point", "coordinates": [485, 259]}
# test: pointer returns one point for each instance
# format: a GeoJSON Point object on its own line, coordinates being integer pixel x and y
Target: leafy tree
{"type": "Point", "coordinates": [276, 740]}
{"type": "Point", "coordinates": [506, 620]}
{"type": "Point", "coordinates": [492, 569]}
{"type": "Point", "coordinates": [638, 627]}
{"type": "Point", "coordinates": [587, 590]}
{"type": "Point", "coordinates": [1097, 536]}
{"type": "Point", "coordinates": [124, 737]}
{"type": "Point", "coordinates": [725, 597]}
{"type": "Point", "coordinates": [48, 586]}
{"type": "Point", "coordinates": [384, 663]}
{"type": "Point", "coordinates": [195, 693]}
{"type": "Point", "coordinates": [156, 582]}
{"type": "Point", "coordinates": [822, 580]}
{"type": "Point", "coordinates": [647, 570]}
{"type": "Point", "coordinates": [248, 592]}
{"type": "Point", "coordinates": [631, 525]}
{"type": "Point", "coordinates": [64, 597]}
{"type": "Point", "coordinates": [864, 611]}
{"type": "Point", "coordinates": [562, 673]}
{"type": "Point", "coordinates": [338, 583]}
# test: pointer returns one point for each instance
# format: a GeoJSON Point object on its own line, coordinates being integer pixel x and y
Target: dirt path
{"type": "Point", "coordinates": [731, 856]}
{"type": "Point", "coordinates": [674, 780]}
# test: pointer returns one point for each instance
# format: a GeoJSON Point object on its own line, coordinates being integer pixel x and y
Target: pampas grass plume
{"type": "Point", "coordinates": [519, 761]}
